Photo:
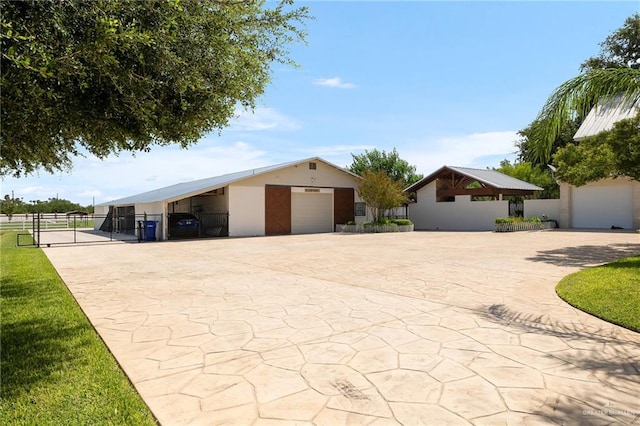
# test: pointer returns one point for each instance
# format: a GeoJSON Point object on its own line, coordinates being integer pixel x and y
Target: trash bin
{"type": "Point", "coordinates": [150, 230]}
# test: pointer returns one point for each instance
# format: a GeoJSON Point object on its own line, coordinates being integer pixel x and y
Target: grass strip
{"type": "Point", "coordinates": [610, 292]}
{"type": "Point", "coordinates": [55, 368]}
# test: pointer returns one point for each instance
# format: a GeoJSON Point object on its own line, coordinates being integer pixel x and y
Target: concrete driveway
{"type": "Point", "coordinates": [332, 329]}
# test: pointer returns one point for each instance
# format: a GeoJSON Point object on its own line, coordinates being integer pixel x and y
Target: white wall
{"type": "Point", "coordinates": [246, 210]}
{"type": "Point", "coordinates": [100, 213]}
{"type": "Point", "coordinates": [155, 211]}
{"type": "Point", "coordinates": [151, 209]}
{"type": "Point", "coordinates": [462, 214]}
{"type": "Point", "coordinates": [101, 210]}
{"type": "Point", "coordinates": [538, 208]}
{"type": "Point", "coordinates": [602, 204]}
{"type": "Point", "coordinates": [213, 203]}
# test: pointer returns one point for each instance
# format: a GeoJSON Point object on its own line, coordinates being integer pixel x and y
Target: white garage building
{"type": "Point", "coordinates": [609, 202]}
{"type": "Point", "coordinates": [306, 196]}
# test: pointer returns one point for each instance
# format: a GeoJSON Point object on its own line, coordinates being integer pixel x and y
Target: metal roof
{"type": "Point", "coordinates": [195, 187]}
{"type": "Point", "coordinates": [489, 177]}
{"type": "Point", "coordinates": [603, 116]}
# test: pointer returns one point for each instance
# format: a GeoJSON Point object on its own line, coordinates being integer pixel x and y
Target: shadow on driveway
{"type": "Point", "coordinates": [616, 364]}
{"type": "Point", "coordinates": [582, 256]}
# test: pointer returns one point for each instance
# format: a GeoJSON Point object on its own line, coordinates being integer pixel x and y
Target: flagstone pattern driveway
{"type": "Point", "coordinates": [379, 329]}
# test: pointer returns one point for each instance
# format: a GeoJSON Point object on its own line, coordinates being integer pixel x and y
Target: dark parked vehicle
{"type": "Point", "coordinates": [183, 220]}
{"type": "Point", "coordinates": [183, 225]}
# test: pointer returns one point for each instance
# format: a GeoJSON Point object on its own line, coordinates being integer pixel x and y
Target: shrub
{"type": "Point", "coordinates": [383, 221]}
{"type": "Point", "coordinates": [380, 227]}
{"type": "Point", "coordinates": [402, 222]}
{"type": "Point", "coordinates": [516, 219]}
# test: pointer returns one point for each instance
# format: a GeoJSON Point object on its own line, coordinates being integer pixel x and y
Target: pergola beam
{"type": "Point", "coordinates": [482, 192]}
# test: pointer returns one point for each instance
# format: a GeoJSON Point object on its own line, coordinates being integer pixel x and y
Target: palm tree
{"type": "Point", "coordinates": [575, 98]}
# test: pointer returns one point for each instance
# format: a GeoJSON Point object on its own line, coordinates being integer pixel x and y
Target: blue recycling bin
{"type": "Point", "coordinates": [150, 230]}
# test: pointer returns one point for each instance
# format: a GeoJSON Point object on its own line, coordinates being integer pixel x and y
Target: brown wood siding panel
{"type": "Point", "coordinates": [277, 210]}
{"type": "Point", "coordinates": [343, 204]}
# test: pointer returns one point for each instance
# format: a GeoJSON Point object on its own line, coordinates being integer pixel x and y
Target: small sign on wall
{"type": "Point", "coordinates": [308, 190]}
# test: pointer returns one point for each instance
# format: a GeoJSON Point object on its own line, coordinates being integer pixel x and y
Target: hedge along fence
{"type": "Point", "coordinates": [512, 224]}
{"type": "Point", "coordinates": [397, 225]}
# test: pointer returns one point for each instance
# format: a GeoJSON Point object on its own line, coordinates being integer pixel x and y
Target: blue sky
{"type": "Point", "coordinates": [442, 82]}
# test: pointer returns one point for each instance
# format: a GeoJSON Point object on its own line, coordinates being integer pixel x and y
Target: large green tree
{"type": "Point", "coordinates": [612, 153]}
{"type": "Point", "coordinates": [576, 97]}
{"type": "Point", "coordinates": [125, 75]}
{"type": "Point", "coordinates": [526, 143]}
{"type": "Point", "coordinates": [615, 72]}
{"type": "Point", "coordinates": [10, 205]}
{"type": "Point", "coordinates": [390, 162]}
{"type": "Point", "coordinates": [527, 172]}
{"type": "Point", "coordinates": [621, 49]}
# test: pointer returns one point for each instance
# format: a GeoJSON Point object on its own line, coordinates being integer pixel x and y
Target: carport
{"type": "Point", "coordinates": [463, 198]}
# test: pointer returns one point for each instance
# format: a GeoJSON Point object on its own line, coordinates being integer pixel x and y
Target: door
{"type": "Point", "coordinates": [277, 210]}
{"type": "Point", "coordinates": [311, 212]}
{"type": "Point", "coordinates": [343, 205]}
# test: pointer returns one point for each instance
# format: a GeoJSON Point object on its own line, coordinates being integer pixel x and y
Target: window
{"type": "Point", "coordinates": [360, 209]}
{"type": "Point", "coordinates": [445, 198]}
{"type": "Point", "coordinates": [312, 166]}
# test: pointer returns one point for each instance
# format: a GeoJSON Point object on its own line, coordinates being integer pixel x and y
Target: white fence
{"type": "Point", "coordinates": [524, 226]}
{"type": "Point", "coordinates": [24, 221]}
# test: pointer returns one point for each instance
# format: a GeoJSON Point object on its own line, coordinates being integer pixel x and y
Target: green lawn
{"type": "Point", "coordinates": [610, 292]}
{"type": "Point", "coordinates": [55, 368]}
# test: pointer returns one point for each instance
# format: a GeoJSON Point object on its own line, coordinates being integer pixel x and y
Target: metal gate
{"type": "Point", "coordinates": [77, 228]}
{"type": "Point", "coordinates": [516, 208]}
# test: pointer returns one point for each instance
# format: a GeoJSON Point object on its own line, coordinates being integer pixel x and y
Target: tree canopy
{"type": "Point", "coordinates": [621, 49]}
{"type": "Point", "coordinates": [527, 172]}
{"type": "Point", "coordinates": [125, 75]}
{"type": "Point", "coordinates": [10, 206]}
{"type": "Point", "coordinates": [396, 168]}
{"type": "Point", "coordinates": [526, 143]}
{"type": "Point", "coordinates": [612, 153]}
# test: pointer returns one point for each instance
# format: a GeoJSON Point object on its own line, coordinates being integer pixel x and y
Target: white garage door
{"type": "Point", "coordinates": [602, 206]}
{"type": "Point", "coordinates": [311, 212]}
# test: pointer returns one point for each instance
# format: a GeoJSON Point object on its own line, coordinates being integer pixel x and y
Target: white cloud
{"type": "Point", "coordinates": [340, 155]}
{"type": "Point", "coordinates": [333, 82]}
{"type": "Point", "coordinates": [474, 150]}
{"type": "Point", "coordinates": [334, 150]}
{"type": "Point", "coordinates": [261, 119]}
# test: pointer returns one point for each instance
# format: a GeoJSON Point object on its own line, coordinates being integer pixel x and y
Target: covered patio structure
{"type": "Point", "coordinates": [462, 198]}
